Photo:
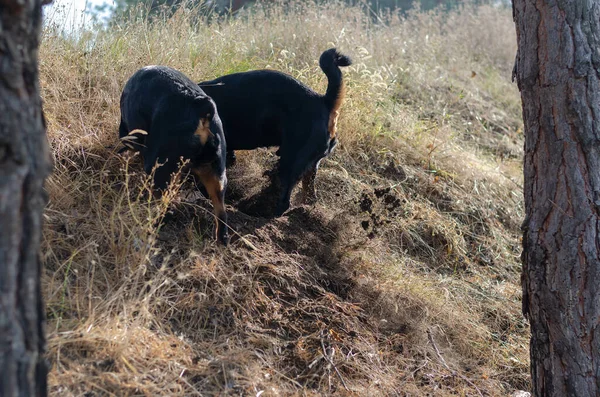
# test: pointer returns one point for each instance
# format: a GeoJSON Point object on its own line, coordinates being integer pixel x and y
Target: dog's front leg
{"type": "Point", "coordinates": [309, 194]}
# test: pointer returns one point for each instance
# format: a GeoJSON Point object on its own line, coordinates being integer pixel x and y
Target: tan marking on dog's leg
{"type": "Point", "coordinates": [214, 187]}
{"type": "Point", "coordinates": [203, 130]}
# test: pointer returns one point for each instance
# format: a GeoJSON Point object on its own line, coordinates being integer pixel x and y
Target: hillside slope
{"type": "Point", "coordinates": [402, 280]}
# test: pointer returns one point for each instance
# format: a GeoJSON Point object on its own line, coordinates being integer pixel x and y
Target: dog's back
{"type": "Point", "coordinates": [155, 89]}
{"type": "Point", "coordinates": [256, 105]}
{"type": "Point", "coordinates": [169, 107]}
{"type": "Point", "coordinates": [265, 108]}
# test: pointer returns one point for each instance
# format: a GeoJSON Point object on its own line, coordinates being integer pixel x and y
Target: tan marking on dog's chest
{"type": "Point", "coordinates": [335, 111]}
{"type": "Point", "coordinates": [332, 127]}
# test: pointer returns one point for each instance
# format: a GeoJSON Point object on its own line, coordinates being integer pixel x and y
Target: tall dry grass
{"type": "Point", "coordinates": [402, 280]}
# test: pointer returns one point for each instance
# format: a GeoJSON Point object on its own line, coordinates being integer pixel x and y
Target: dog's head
{"type": "Point", "coordinates": [208, 140]}
{"type": "Point", "coordinates": [195, 140]}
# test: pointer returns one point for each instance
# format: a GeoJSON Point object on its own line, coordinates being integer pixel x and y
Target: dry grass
{"type": "Point", "coordinates": [402, 280]}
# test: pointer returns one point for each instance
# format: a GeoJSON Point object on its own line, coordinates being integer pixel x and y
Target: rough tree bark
{"type": "Point", "coordinates": [557, 70]}
{"type": "Point", "coordinates": [24, 164]}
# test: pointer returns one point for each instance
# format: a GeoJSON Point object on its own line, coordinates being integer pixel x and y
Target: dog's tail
{"type": "Point", "coordinates": [330, 63]}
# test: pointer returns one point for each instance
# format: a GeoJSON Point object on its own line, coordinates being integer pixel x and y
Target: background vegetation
{"type": "Point", "coordinates": [116, 8]}
{"type": "Point", "coordinates": [402, 280]}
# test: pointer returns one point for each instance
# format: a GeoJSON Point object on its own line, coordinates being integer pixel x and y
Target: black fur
{"type": "Point", "coordinates": [265, 108]}
{"type": "Point", "coordinates": [169, 107]}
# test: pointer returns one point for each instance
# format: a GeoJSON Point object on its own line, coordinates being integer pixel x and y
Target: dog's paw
{"type": "Point", "coordinates": [280, 209]}
{"type": "Point", "coordinates": [309, 199]}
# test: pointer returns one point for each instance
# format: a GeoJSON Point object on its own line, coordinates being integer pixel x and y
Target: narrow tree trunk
{"type": "Point", "coordinates": [24, 164]}
{"type": "Point", "coordinates": [557, 70]}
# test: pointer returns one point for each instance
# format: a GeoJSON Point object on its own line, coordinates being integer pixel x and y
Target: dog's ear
{"type": "Point", "coordinates": [207, 111]}
{"type": "Point", "coordinates": [206, 106]}
{"type": "Point", "coordinates": [203, 130]}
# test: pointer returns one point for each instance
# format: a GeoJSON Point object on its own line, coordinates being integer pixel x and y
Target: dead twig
{"type": "Point", "coordinates": [330, 361]}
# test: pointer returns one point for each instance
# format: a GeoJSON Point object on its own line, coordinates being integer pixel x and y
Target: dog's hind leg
{"type": "Point", "coordinates": [291, 168]}
{"type": "Point", "coordinates": [284, 199]}
{"type": "Point", "coordinates": [309, 194]}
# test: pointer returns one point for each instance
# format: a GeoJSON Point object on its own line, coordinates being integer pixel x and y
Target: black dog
{"type": "Point", "coordinates": [168, 118]}
{"type": "Point", "coordinates": [265, 108]}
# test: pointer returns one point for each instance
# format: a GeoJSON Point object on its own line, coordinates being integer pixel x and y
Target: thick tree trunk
{"type": "Point", "coordinates": [557, 70]}
{"type": "Point", "coordinates": [24, 164]}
